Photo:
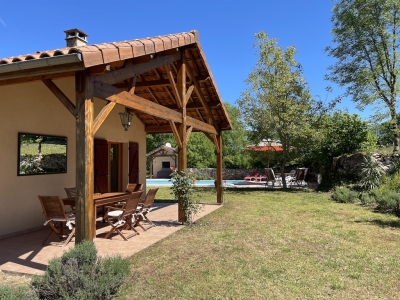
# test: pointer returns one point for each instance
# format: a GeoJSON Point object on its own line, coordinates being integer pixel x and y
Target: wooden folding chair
{"type": "Point", "coordinates": [55, 214]}
{"type": "Point", "coordinates": [71, 193]}
{"type": "Point", "coordinates": [125, 218]}
{"type": "Point", "coordinates": [145, 208]}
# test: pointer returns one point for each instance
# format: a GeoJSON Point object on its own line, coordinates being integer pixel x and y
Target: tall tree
{"type": "Point", "coordinates": [277, 102]}
{"type": "Point", "coordinates": [234, 141]}
{"type": "Point", "coordinates": [366, 43]}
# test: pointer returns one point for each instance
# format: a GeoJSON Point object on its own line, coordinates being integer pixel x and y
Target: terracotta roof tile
{"type": "Point", "coordinates": [137, 48]}
{"type": "Point", "coordinates": [104, 53]}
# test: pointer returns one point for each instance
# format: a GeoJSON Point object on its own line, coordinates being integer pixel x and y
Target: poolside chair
{"type": "Point", "coordinates": [261, 177]}
{"type": "Point", "coordinates": [145, 208]}
{"type": "Point", "coordinates": [55, 214]}
{"type": "Point", "coordinates": [291, 178]}
{"type": "Point", "coordinates": [272, 178]}
{"type": "Point", "coordinates": [301, 177]}
{"type": "Point", "coordinates": [125, 218]}
{"type": "Point", "coordinates": [252, 176]}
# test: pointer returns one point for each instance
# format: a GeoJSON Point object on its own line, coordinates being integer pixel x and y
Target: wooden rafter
{"type": "Point", "coordinates": [60, 96]}
{"type": "Point", "coordinates": [201, 96]}
{"type": "Point", "coordinates": [165, 81]}
{"type": "Point", "coordinates": [174, 87]}
{"type": "Point", "coordinates": [137, 69]}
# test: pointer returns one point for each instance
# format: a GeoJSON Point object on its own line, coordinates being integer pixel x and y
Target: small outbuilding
{"type": "Point", "coordinates": [164, 160]}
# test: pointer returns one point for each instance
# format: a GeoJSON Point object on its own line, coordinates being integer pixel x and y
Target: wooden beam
{"type": "Point", "coordinates": [60, 96]}
{"type": "Point", "coordinates": [188, 94]}
{"type": "Point", "coordinates": [85, 211]}
{"type": "Point", "coordinates": [176, 134]}
{"type": "Point", "coordinates": [174, 88]}
{"type": "Point", "coordinates": [220, 195]}
{"type": "Point", "coordinates": [132, 83]}
{"type": "Point", "coordinates": [102, 116]}
{"type": "Point", "coordinates": [131, 70]}
{"type": "Point", "coordinates": [182, 151]}
{"type": "Point", "coordinates": [188, 132]}
{"type": "Point", "coordinates": [217, 149]}
{"type": "Point", "coordinates": [110, 93]}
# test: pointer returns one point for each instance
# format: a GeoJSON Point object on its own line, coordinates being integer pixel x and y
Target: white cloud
{"type": "Point", "coordinates": [2, 22]}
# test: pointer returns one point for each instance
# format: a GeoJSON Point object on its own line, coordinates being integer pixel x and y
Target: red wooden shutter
{"type": "Point", "coordinates": [100, 166]}
{"type": "Point", "coordinates": [133, 162]}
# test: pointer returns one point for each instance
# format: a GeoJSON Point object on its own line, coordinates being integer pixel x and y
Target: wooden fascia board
{"type": "Point", "coordinates": [110, 93]}
{"type": "Point", "coordinates": [130, 71]}
{"type": "Point", "coordinates": [60, 96]}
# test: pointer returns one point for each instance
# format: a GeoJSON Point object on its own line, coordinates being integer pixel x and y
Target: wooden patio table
{"type": "Point", "coordinates": [101, 200]}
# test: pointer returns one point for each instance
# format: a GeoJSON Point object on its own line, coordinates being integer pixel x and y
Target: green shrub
{"type": "Point", "coordinates": [388, 201]}
{"type": "Point", "coordinates": [344, 194]}
{"type": "Point", "coordinates": [367, 199]}
{"type": "Point", "coordinates": [80, 274]}
{"type": "Point", "coordinates": [17, 293]}
{"type": "Point", "coordinates": [391, 182]}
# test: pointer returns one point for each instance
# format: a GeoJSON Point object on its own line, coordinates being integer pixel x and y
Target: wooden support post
{"type": "Point", "coordinates": [182, 151]}
{"type": "Point", "coordinates": [85, 213]}
{"type": "Point", "coordinates": [220, 196]}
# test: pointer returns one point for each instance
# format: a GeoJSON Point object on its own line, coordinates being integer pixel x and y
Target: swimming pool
{"type": "Point", "coordinates": [167, 182]}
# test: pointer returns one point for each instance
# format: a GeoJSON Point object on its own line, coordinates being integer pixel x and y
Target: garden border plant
{"type": "Point", "coordinates": [182, 189]}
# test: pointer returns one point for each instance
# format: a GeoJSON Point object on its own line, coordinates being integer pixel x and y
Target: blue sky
{"type": "Point", "coordinates": [226, 29]}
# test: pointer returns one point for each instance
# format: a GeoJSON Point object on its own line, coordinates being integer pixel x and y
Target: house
{"type": "Point", "coordinates": [163, 161]}
{"type": "Point", "coordinates": [73, 99]}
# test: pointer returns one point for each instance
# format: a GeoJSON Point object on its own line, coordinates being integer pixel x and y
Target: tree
{"type": "Point", "coordinates": [338, 133]}
{"type": "Point", "coordinates": [366, 43]}
{"type": "Point", "coordinates": [277, 102]}
{"type": "Point", "coordinates": [234, 141]}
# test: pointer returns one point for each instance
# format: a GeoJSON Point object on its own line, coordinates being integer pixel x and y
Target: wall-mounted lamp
{"type": "Point", "coordinates": [126, 118]}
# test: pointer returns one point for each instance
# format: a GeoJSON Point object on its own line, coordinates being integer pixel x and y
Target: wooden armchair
{"type": "Point", "coordinates": [125, 218]}
{"type": "Point", "coordinates": [145, 207]}
{"type": "Point", "coordinates": [55, 214]}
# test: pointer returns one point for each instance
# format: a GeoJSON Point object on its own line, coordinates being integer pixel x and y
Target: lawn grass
{"type": "Point", "coordinates": [273, 245]}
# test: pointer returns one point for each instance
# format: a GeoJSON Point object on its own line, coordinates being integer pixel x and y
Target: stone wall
{"type": "Point", "coordinates": [42, 164]}
{"type": "Point", "coordinates": [348, 166]}
{"type": "Point", "coordinates": [227, 174]}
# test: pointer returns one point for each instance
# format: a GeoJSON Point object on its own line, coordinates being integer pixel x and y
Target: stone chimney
{"type": "Point", "coordinates": [75, 37]}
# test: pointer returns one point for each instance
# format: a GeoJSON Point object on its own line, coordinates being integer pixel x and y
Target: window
{"type": "Point", "coordinates": [166, 164]}
{"type": "Point", "coordinates": [41, 154]}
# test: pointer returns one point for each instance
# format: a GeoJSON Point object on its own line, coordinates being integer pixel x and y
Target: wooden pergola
{"type": "Point", "coordinates": [165, 81]}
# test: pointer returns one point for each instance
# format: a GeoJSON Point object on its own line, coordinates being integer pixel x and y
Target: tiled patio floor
{"type": "Point", "coordinates": [25, 254]}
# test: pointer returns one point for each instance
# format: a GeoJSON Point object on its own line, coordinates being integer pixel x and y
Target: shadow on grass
{"type": "Point", "coordinates": [381, 223]}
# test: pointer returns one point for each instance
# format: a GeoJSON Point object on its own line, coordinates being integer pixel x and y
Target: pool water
{"type": "Point", "coordinates": [167, 182]}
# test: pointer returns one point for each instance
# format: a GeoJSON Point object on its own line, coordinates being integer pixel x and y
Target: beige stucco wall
{"type": "Point", "coordinates": [32, 108]}
{"type": "Point", "coordinates": [157, 163]}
